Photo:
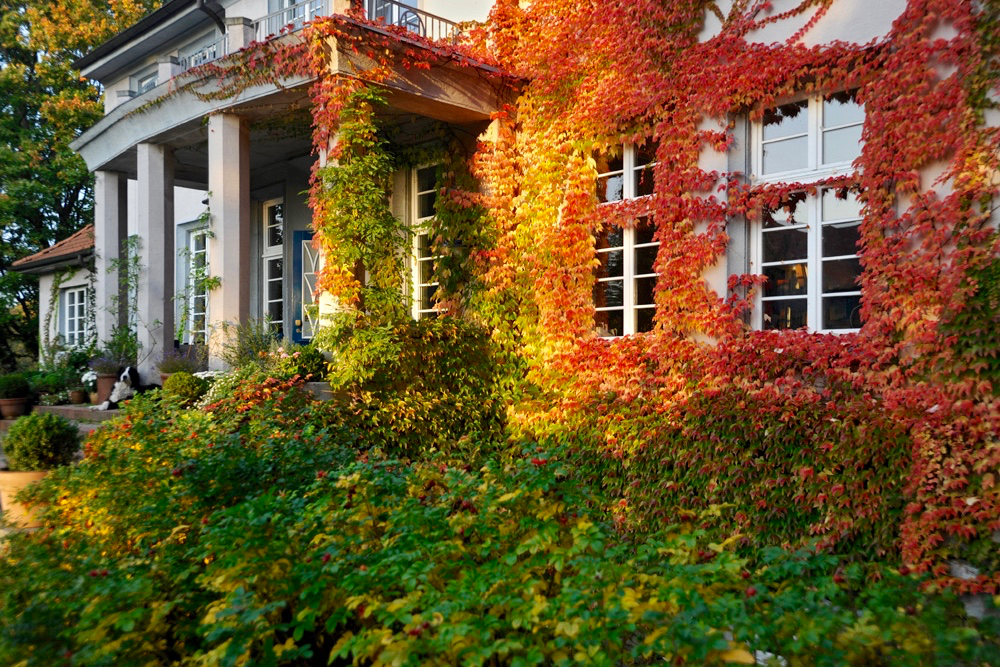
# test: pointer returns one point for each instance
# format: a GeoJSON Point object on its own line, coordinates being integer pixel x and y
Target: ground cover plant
{"type": "Point", "coordinates": [252, 531]}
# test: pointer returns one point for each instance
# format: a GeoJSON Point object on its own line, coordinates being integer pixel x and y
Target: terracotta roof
{"type": "Point", "coordinates": [78, 244]}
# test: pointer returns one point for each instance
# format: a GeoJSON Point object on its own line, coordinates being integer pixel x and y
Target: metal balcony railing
{"type": "Point", "coordinates": [401, 14]}
{"type": "Point", "coordinates": [292, 18]}
{"type": "Point", "coordinates": [206, 54]}
{"type": "Point", "coordinates": [289, 19]}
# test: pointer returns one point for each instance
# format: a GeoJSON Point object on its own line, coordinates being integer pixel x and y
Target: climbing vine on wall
{"type": "Point", "coordinates": [593, 75]}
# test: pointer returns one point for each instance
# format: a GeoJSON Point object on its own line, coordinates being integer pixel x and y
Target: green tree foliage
{"type": "Point", "coordinates": [45, 188]}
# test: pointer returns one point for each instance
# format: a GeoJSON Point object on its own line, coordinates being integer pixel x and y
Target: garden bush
{"type": "Point", "coordinates": [428, 385]}
{"type": "Point", "coordinates": [324, 559]}
{"type": "Point", "coordinates": [14, 385]}
{"type": "Point", "coordinates": [41, 442]}
{"type": "Point", "coordinates": [185, 387]}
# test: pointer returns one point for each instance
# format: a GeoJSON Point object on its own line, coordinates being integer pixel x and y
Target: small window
{"type": "Point", "coordinates": [424, 286]}
{"type": "Point", "coordinates": [197, 286]}
{"type": "Point", "coordinates": [273, 259]}
{"type": "Point", "coordinates": [625, 279]}
{"type": "Point", "coordinates": [74, 315]}
{"type": "Point", "coordinates": [146, 83]}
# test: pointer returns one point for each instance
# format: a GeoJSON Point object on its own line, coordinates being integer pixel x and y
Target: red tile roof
{"type": "Point", "coordinates": [79, 243]}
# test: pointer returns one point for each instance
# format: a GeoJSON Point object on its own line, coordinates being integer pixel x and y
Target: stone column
{"type": "Point", "coordinates": [229, 245]}
{"type": "Point", "coordinates": [239, 33]}
{"type": "Point", "coordinates": [167, 67]}
{"type": "Point", "coordinates": [155, 227]}
{"type": "Point", "coordinates": [110, 233]}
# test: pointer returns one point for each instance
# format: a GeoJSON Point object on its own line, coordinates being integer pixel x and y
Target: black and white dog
{"type": "Point", "coordinates": [125, 388]}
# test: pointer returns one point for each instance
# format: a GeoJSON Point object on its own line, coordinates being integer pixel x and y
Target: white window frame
{"type": "Point", "coordinates": [270, 253]}
{"type": "Point", "coordinates": [814, 171]}
{"type": "Point", "coordinates": [420, 248]}
{"type": "Point", "coordinates": [73, 322]}
{"type": "Point", "coordinates": [193, 253]}
{"type": "Point", "coordinates": [630, 244]}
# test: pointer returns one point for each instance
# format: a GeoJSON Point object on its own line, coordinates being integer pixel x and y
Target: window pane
{"type": "Point", "coordinates": [609, 322]}
{"type": "Point", "coordinates": [199, 242]}
{"type": "Point", "coordinates": [786, 120]}
{"type": "Point", "coordinates": [840, 239]}
{"type": "Point", "coordinates": [612, 264]}
{"type": "Point", "coordinates": [793, 212]}
{"type": "Point", "coordinates": [644, 231]}
{"type": "Point", "coordinates": [785, 314]}
{"type": "Point", "coordinates": [786, 155]}
{"type": "Point", "coordinates": [426, 271]}
{"type": "Point", "coordinates": [842, 145]}
{"type": "Point", "coordinates": [646, 153]}
{"type": "Point", "coordinates": [427, 295]}
{"type": "Point", "coordinates": [273, 268]}
{"type": "Point", "coordinates": [613, 238]}
{"type": "Point", "coordinates": [609, 161]}
{"type": "Point", "coordinates": [644, 319]}
{"type": "Point", "coordinates": [841, 275]}
{"type": "Point", "coordinates": [781, 245]}
{"type": "Point", "coordinates": [835, 208]}
{"type": "Point", "coordinates": [785, 280]}
{"type": "Point", "coordinates": [609, 188]}
{"type": "Point", "coordinates": [426, 178]}
{"type": "Point", "coordinates": [644, 259]}
{"type": "Point", "coordinates": [644, 290]}
{"type": "Point", "coordinates": [275, 311]}
{"type": "Point", "coordinates": [609, 294]}
{"type": "Point", "coordinates": [274, 236]}
{"type": "Point", "coordinates": [425, 204]}
{"type": "Point", "coordinates": [842, 312]}
{"type": "Point", "coordinates": [274, 290]}
{"type": "Point", "coordinates": [841, 109]}
{"type": "Point", "coordinates": [644, 182]}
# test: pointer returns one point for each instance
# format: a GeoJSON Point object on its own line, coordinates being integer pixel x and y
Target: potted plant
{"type": "Point", "coordinates": [78, 395]}
{"type": "Point", "coordinates": [14, 394]}
{"type": "Point", "coordinates": [89, 383]}
{"type": "Point", "coordinates": [106, 372]}
{"type": "Point", "coordinates": [34, 445]}
{"type": "Point", "coordinates": [187, 359]}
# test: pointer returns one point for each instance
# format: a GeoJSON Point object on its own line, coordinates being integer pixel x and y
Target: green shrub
{"type": "Point", "coordinates": [311, 363]}
{"type": "Point", "coordinates": [247, 343]}
{"type": "Point", "coordinates": [41, 442]}
{"type": "Point", "coordinates": [14, 385]}
{"type": "Point", "coordinates": [420, 386]}
{"type": "Point", "coordinates": [185, 387]}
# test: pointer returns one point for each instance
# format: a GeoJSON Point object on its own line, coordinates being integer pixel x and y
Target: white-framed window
{"type": "Point", "coordinates": [424, 285]}
{"type": "Point", "coordinates": [273, 259]}
{"type": "Point", "coordinates": [73, 322]}
{"type": "Point", "coordinates": [625, 277]}
{"type": "Point", "coordinates": [806, 247]}
{"type": "Point", "coordinates": [197, 292]}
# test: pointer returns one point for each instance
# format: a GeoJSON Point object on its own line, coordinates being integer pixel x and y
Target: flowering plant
{"type": "Point", "coordinates": [89, 380]}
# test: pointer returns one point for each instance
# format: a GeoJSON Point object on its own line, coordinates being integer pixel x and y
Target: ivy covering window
{"type": "Point", "coordinates": [74, 315]}
{"type": "Point", "coordinates": [274, 265]}
{"type": "Point", "coordinates": [625, 279]}
{"type": "Point", "coordinates": [807, 246]}
{"type": "Point", "coordinates": [424, 285]}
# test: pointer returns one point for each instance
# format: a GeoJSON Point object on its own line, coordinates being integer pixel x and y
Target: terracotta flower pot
{"type": "Point", "coordinates": [164, 377]}
{"type": "Point", "coordinates": [13, 407]}
{"type": "Point", "coordinates": [10, 484]}
{"type": "Point", "coordinates": [93, 398]}
{"type": "Point", "coordinates": [105, 383]}
{"type": "Point", "coordinates": [77, 396]}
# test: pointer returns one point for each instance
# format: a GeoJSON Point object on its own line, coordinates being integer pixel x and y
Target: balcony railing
{"type": "Point", "coordinates": [415, 20]}
{"type": "Point", "coordinates": [289, 19]}
{"type": "Point", "coordinates": [205, 54]}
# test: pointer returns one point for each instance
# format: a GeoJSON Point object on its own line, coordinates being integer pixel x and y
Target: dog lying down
{"type": "Point", "coordinates": [125, 388]}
